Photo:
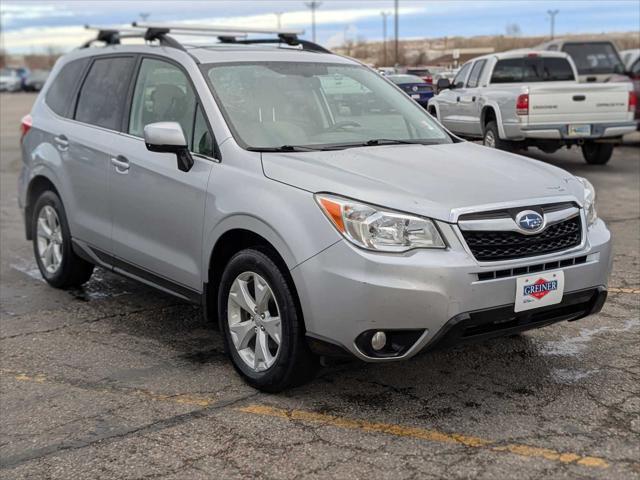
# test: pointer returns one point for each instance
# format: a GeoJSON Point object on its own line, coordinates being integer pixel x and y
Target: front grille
{"type": "Point", "coordinates": [505, 245]}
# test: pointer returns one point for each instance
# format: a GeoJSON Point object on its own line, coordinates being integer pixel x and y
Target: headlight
{"type": "Point", "coordinates": [379, 229]}
{"type": "Point", "coordinates": [589, 200]}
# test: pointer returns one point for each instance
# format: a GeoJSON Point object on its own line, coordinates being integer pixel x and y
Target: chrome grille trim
{"type": "Point", "coordinates": [508, 224]}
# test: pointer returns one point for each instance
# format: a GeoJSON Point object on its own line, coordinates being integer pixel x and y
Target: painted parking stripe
{"type": "Point", "coordinates": [635, 291]}
{"type": "Point", "coordinates": [425, 434]}
{"type": "Point", "coordinates": [181, 398]}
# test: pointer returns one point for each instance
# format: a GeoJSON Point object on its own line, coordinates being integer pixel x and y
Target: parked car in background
{"type": "Point", "coordinates": [10, 81]}
{"type": "Point", "coordinates": [424, 73]}
{"type": "Point", "coordinates": [520, 99]}
{"type": "Point", "coordinates": [36, 80]}
{"type": "Point", "coordinates": [630, 58]}
{"type": "Point", "coordinates": [596, 61]}
{"type": "Point", "coordinates": [632, 62]}
{"type": "Point", "coordinates": [413, 86]}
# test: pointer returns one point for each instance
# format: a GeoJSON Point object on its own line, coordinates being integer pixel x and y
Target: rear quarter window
{"type": "Point", "coordinates": [59, 96]}
{"type": "Point", "coordinates": [103, 94]}
{"type": "Point", "coordinates": [532, 69]}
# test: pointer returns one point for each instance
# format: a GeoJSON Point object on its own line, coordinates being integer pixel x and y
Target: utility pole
{"type": "Point", "coordinates": [313, 5]}
{"type": "Point", "coordinates": [384, 36]}
{"type": "Point", "coordinates": [279, 17]}
{"type": "Point", "coordinates": [395, 30]}
{"type": "Point", "coordinates": [552, 16]}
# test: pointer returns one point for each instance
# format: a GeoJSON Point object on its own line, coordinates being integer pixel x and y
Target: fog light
{"type": "Point", "coordinates": [378, 341]}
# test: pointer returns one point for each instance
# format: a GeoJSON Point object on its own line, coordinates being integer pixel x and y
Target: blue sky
{"type": "Point", "coordinates": [31, 25]}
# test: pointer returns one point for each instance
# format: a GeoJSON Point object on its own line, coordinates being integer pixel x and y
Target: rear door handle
{"type": "Point", "coordinates": [61, 142]}
{"type": "Point", "coordinates": [121, 163]}
{"type": "Point", "coordinates": [579, 98]}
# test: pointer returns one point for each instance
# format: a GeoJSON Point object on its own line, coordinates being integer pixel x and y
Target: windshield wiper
{"type": "Point", "coordinates": [284, 148]}
{"type": "Point", "coordinates": [391, 141]}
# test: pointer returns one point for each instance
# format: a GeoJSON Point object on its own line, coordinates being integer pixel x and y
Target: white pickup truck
{"type": "Point", "coordinates": [518, 99]}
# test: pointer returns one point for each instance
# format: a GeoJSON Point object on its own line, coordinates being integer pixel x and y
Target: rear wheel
{"type": "Point", "coordinates": [597, 153]}
{"type": "Point", "coordinates": [58, 263]}
{"type": "Point", "coordinates": [491, 138]}
{"type": "Point", "coordinates": [263, 331]}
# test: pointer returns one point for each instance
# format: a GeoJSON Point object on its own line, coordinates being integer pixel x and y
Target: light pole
{"type": "Point", "coordinates": [395, 30]}
{"type": "Point", "coordinates": [384, 36]}
{"type": "Point", "coordinates": [314, 5]}
{"type": "Point", "coordinates": [552, 16]}
{"type": "Point", "coordinates": [279, 17]}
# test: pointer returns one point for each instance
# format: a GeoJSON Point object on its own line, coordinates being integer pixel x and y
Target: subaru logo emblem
{"type": "Point", "coordinates": [529, 221]}
{"type": "Point", "coordinates": [414, 88]}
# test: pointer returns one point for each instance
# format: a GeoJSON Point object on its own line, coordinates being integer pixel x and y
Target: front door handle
{"type": "Point", "coordinates": [61, 142]}
{"type": "Point", "coordinates": [121, 163]}
{"type": "Point", "coordinates": [457, 99]}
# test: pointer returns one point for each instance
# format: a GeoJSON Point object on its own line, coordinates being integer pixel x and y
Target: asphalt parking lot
{"type": "Point", "coordinates": [119, 381]}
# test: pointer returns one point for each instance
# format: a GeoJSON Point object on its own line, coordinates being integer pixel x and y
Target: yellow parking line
{"type": "Point", "coordinates": [425, 434]}
{"type": "Point", "coordinates": [624, 290]}
{"type": "Point", "coordinates": [181, 398]}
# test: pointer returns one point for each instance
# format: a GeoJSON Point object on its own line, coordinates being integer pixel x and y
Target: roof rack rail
{"type": "Point", "coordinates": [226, 34]}
{"type": "Point", "coordinates": [112, 36]}
{"type": "Point", "coordinates": [235, 35]}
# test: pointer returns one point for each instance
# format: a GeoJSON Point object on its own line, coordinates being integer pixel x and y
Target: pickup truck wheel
{"type": "Point", "coordinates": [57, 262]}
{"type": "Point", "coordinates": [597, 153]}
{"type": "Point", "coordinates": [263, 333]}
{"type": "Point", "coordinates": [492, 138]}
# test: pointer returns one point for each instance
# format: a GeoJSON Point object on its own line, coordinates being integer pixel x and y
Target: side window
{"type": "Point", "coordinates": [162, 94]}
{"type": "Point", "coordinates": [60, 94]}
{"type": "Point", "coordinates": [458, 81]}
{"type": "Point", "coordinates": [103, 95]}
{"type": "Point", "coordinates": [553, 48]}
{"type": "Point", "coordinates": [202, 139]}
{"type": "Point", "coordinates": [476, 71]}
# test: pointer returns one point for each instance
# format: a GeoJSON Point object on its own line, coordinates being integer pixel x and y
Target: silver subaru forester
{"type": "Point", "coordinates": [309, 205]}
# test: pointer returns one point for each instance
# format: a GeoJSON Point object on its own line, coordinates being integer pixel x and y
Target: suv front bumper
{"type": "Point", "coordinates": [345, 291]}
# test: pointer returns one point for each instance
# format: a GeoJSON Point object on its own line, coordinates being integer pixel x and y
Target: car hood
{"type": "Point", "coordinates": [429, 180]}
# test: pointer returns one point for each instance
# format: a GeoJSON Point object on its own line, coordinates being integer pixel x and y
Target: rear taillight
{"type": "Point", "coordinates": [25, 126]}
{"type": "Point", "coordinates": [633, 101]}
{"type": "Point", "coordinates": [522, 104]}
{"type": "Point", "coordinates": [428, 79]}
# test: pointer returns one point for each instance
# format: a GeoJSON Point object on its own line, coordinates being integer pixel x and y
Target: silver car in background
{"type": "Point", "coordinates": [303, 200]}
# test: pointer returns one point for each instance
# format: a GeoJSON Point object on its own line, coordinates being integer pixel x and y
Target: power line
{"type": "Point", "coordinates": [552, 16]}
{"type": "Point", "coordinates": [314, 5]}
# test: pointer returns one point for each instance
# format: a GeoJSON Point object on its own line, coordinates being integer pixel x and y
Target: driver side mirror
{"type": "Point", "coordinates": [168, 137]}
{"type": "Point", "coordinates": [443, 84]}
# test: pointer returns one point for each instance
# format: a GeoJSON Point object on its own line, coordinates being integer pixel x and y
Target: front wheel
{"type": "Point", "coordinates": [597, 153]}
{"type": "Point", "coordinates": [58, 263]}
{"type": "Point", "coordinates": [263, 331]}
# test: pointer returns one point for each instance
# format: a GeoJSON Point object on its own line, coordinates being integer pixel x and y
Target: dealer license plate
{"type": "Point", "coordinates": [540, 290]}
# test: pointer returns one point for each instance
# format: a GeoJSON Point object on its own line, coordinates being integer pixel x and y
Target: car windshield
{"type": "Point", "coordinates": [284, 105]}
{"type": "Point", "coordinates": [400, 79]}
{"type": "Point", "coordinates": [594, 58]}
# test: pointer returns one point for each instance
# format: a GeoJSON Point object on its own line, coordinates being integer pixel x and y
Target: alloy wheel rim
{"type": "Point", "coordinates": [254, 321]}
{"type": "Point", "coordinates": [49, 239]}
{"type": "Point", "coordinates": [489, 139]}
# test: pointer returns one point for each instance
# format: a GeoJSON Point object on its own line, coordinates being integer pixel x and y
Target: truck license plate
{"type": "Point", "coordinates": [415, 95]}
{"type": "Point", "coordinates": [579, 130]}
{"type": "Point", "coordinates": [540, 290]}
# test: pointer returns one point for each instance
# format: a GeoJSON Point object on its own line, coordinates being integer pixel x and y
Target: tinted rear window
{"type": "Point", "coordinates": [103, 95]}
{"type": "Point", "coordinates": [532, 69]}
{"type": "Point", "coordinates": [594, 58]}
{"type": "Point", "coordinates": [60, 95]}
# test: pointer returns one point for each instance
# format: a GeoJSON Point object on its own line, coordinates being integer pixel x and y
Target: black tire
{"type": "Point", "coordinates": [294, 364]}
{"type": "Point", "coordinates": [73, 270]}
{"type": "Point", "coordinates": [597, 153]}
{"type": "Point", "coordinates": [491, 131]}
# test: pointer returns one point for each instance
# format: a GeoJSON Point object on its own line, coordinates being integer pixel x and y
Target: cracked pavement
{"type": "Point", "coordinates": [119, 381]}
